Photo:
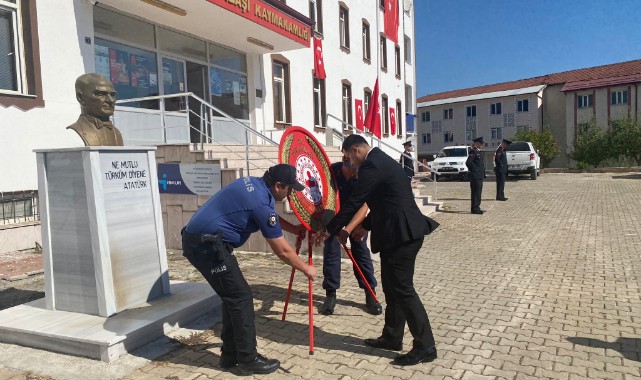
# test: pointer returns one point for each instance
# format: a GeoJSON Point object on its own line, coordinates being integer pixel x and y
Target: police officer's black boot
{"type": "Point", "coordinates": [373, 307]}
{"type": "Point", "coordinates": [260, 365]}
{"type": "Point", "coordinates": [330, 303]}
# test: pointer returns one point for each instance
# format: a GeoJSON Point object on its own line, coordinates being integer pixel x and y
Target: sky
{"type": "Point", "coordinates": [470, 43]}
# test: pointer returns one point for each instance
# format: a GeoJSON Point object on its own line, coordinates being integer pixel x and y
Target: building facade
{"type": "Point", "coordinates": [561, 101]}
{"type": "Point", "coordinates": [252, 59]}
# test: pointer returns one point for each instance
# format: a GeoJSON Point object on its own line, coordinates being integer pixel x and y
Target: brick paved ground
{"type": "Point", "coordinates": [545, 285]}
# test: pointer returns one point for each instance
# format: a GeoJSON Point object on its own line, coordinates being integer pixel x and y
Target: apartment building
{"type": "Point", "coordinates": [252, 59]}
{"type": "Point", "coordinates": [563, 101]}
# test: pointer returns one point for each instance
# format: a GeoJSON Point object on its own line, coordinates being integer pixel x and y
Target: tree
{"type": "Point", "coordinates": [625, 139]}
{"type": "Point", "coordinates": [543, 142]}
{"type": "Point", "coordinates": [592, 146]}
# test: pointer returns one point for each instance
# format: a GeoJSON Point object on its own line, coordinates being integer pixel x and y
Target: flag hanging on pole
{"type": "Point", "coordinates": [392, 121]}
{"type": "Point", "coordinates": [391, 20]}
{"type": "Point", "coordinates": [373, 117]}
{"type": "Point", "coordinates": [319, 64]}
{"type": "Point", "coordinates": [358, 103]}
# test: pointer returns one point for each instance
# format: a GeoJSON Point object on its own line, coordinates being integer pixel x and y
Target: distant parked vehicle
{"type": "Point", "coordinates": [522, 158]}
{"type": "Point", "coordinates": [451, 162]}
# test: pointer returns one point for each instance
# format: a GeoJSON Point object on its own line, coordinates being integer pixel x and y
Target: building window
{"type": "Point", "coordinates": [496, 133]}
{"type": "Point", "coordinates": [619, 97]}
{"type": "Point", "coordinates": [448, 114]}
{"type": "Point", "coordinates": [347, 104]}
{"type": "Point", "coordinates": [367, 99]}
{"type": "Point", "coordinates": [470, 111]}
{"type": "Point", "coordinates": [409, 95]}
{"type": "Point", "coordinates": [282, 99]}
{"type": "Point", "coordinates": [397, 61]}
{"type": "Point", "coordinates": [367, 52]}
{"type": "Point", "coordinates": [448, 137]}
{"type": "Point", "coordinates": [316, 14]}
{"type": "Point", "coordinates": [426, 116]}
{"type": "Point", "coordinates": [495, 109]}
{"type": "Point", "coordinates": [19, 55]}
{"type": "Point", "coordinates": [18, 207]}
{"type": "Point", "coordinates": [584, 101]}
{"type": "Point", "coordinates": [408, 50]}
{"type": "Point", "coordinates": [385, 115]}
{"type": "Point", "coordinates": [523, 105]}
{"type": "Point", "coordinates": [427, 138]}
{"type": "Point", "coordinates": [343, 26]}
{"type": "Point", "coordinates": [383, 48]}
{"type": "Point", "coordinates": [319, 102]}
{"type": "Point", "coordinates": [470, 135]}
{"type": "Point", "coordinates": [522, 128]}
{"type": "Point", "coordinates": [399, 119]}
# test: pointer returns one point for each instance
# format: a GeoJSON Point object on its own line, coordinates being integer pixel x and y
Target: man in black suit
{"type": "Point", "coordinates": [500, 168]}
{"type": "Point", "coordinates": [397, 232]}
{"type": "Point", "coordinates": [476, 167]}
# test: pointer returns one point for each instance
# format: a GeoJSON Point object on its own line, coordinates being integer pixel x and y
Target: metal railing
{"type": "Point", "coordinates": [19, 207]}
{"type": "Point", "coordinates": [209, 118]}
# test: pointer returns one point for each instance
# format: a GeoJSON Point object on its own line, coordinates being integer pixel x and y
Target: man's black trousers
{"type": "Point", "coordinates": [403, 304]}
{"type": "Point", "coordinates": [332, 263]}
{"type": "Point", "coordinates": [500, 185]}
{"type": "Point", "coordinates": [476, 185]}
{"type": "Point", "coordinates": [239, 329]}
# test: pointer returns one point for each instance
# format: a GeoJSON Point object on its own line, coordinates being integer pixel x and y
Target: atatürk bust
{"type": "Point", "coordinates": [97, 99]}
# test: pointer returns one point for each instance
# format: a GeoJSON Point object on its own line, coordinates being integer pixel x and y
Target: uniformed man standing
{"type": "Point", "coordinates": [346, 180]}
{"type": "Point", "coordinates": [500, 168]}
{"type": "Point", "coordinates": [225, 222]}
{"type": "Point", "coordinates": [407, 162]}
{"type": "Point", "coordinates": [476, 167]}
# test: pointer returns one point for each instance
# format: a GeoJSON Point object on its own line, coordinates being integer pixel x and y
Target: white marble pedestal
{"type": "Point", "coordinates": [102, 234]}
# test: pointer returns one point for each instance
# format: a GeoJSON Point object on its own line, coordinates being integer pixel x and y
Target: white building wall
{"type": "Point", "coordinates": [64, 56]}
{"type": "Point", "coordinates": [340, 65]}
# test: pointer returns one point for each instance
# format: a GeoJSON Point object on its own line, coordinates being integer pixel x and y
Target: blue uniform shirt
{"type": "Point", "coordinates": [238, 210]}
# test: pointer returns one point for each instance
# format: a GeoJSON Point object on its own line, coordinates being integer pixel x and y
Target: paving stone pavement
{"type": "Point", "coordinates": [545, 285]}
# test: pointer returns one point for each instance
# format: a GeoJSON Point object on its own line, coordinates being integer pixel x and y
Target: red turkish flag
{"type": "Point", "coordinates": [319, 64]}
{"type": "Point", "coordinates": [373, 117]}
{"type": "Point", "coordinates": [358, 103]}
{"type": "Point", "coordinates": [392, 121]}
{"type": "Point", "coordinates": [391, 20]}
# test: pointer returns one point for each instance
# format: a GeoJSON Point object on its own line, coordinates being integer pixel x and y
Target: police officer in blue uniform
{"type": "Point", "coordinates": [346, 179]}
{"type": "Point", "coordinates": [500, 169]}
{"type": "Point", "coordinates": [476, 166]}
{"type": "Point", "coordinates": [225, 222]}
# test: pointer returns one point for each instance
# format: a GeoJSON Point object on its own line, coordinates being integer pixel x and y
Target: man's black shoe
{"type": "Point", "coordinates": [227, 361]}
{"type": "Point", "coordinates": [416, 356]}
{"type": "Point", "coordinates": [373, 307]}
{"type": "Point", "coordinates": [328, 305]}
{"type": "Point", "coordinates": [478, 212]}
{"type": "Point", "coordinates": [260, 365]}
{"type": "Point", "coordinates": [384, 344]}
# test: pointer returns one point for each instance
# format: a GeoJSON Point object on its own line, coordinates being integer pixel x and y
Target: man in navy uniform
{"type": "Point", "coordinates": [346, 181]}
{"type": "Point", "coordinates": [407, 162]}
{"type": "Point", "coordinates": [225, 222]}
{"type": "Point", "coordinates": [500, 168]}
{"type": "Point", "coordinates": [398, 229]}
{"type": "Point", "coordinates": [476, 166]}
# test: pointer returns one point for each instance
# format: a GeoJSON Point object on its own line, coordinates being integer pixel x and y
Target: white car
{"type": "Point", "coordinates": [451, 162]}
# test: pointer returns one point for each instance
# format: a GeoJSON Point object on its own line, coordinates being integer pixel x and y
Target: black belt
{"type": "Point", "coordinates": [205, 239]}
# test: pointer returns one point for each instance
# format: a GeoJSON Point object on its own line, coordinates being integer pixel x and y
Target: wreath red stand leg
{"type": "Point", "coordinates": [358, 269]}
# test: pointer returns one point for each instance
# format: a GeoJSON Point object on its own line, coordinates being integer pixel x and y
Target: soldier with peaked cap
{"type": "Point", "coordinates": [476, 166]}
{"type": "Point", "coordinates": [500, 168]}
{"type": "Point", "coordinates": [407, 162]}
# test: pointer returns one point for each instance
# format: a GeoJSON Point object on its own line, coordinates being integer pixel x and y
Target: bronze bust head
{"type": "Point", "coordinates": [97, 98]}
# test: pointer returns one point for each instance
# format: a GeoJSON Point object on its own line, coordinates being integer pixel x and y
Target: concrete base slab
{"type": "Point", "coordinates": [102, 338]}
